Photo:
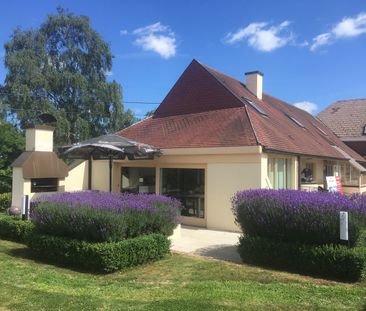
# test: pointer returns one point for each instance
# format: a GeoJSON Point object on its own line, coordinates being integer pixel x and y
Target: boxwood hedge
{"type": "Point", "coordinates": [99, 257]}
{"type": "Point", "coordinates": [330, 261]}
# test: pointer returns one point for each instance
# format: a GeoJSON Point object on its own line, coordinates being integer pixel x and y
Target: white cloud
{"type": "Point", "coordinates": [123, 32]}
{"type": "Point", "coordinates": [307, 106]}
{"type": "Point", "coordinates": [261, 36]}
{"type": "Point", "coordinates": [109, 73]}
{"type": "Point", "coordinates": [348, 27]}
{"type": "Point", "coordinates": [157, 38]}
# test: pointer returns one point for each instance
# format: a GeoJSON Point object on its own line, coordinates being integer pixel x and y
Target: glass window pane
{"type": "Point", "coordinates": [138, 179]}
{"type": "Point", "coordinates": [271, 172]}
{"type": "Point", "coordinates": [280, 180]}
{"type": "Point", "coordinates": [288, 173]}
{"type": "Point", "coordinates": [186, 185]}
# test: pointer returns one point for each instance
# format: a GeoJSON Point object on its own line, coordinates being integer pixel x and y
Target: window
{"type": "Point", "coordinates": [349, 175]}
{"type": "Point", "coordinates": [253, 105]}
{"type": "Point", "coordinates": [320, 130]}
{"type": "Point", "coordinates": [297, 122]}
{"type": "Point", "coordinates": [138, 179]}
{"type": "Point", "coordinates": [186, 185]}
{"type": "Point", "coordinates": [279, 173]}
{"type": "Point", "coordinates": [364, 130]}
{"type": "Point", "coordinates": [44, 185]}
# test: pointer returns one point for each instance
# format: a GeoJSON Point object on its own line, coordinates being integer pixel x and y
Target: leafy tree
{"type": "Point", "coordinates": [61, 68]}
{"type": "Point", "coordinates": [11, 146]}
{"type": "Point", "coordinates": [150, 113]}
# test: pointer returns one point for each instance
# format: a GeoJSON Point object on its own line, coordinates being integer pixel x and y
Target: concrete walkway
{"type": "Point", "coordinates": [208, 243]}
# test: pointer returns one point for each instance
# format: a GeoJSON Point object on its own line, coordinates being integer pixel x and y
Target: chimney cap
{"type": "Point", "coordinates": [254, 72]}
{"type": "Point", "coordinates": [40, 127]}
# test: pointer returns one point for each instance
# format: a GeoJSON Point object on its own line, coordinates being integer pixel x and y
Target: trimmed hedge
{"type": "Point", "coordinates": [99, 257]}
{"type": "Point", "coordinates": [5, 201]}
{"type": "Point", "coordinates": [330, 261]}
{"type": "Point", "coordinates": [14, 229]}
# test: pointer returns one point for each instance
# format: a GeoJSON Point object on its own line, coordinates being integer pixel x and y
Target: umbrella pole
{"type": "Point", "coordinates": [90, 172]}
{"type": "Point", "coordinates": [110, 173]}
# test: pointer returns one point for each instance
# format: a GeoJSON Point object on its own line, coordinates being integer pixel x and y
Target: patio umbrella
{"type": "Point", "coordinates": [108, 147]}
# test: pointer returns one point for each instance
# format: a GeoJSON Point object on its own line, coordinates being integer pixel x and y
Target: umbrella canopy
{"type": "Point", "coordinates": [109, 147]}
{"type": "Point", "coordinates": [106, 146]}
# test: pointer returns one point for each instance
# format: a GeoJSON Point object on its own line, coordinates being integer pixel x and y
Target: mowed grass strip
{"type": "Point", "coordinates": [177, 282]}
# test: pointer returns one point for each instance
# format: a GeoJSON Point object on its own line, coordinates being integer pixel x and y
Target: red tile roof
{"type": "Point", "coordinates": [206, 108]}
{"type": "Point", "coordinates": [346, 118]}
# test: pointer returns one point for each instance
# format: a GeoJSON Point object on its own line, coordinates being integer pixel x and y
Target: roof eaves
{"type": "Point", "coordinates": [272, 150]}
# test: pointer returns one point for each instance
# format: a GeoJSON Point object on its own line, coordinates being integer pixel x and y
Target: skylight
{"type": "Point", "coordinates": [249, 102]}
{"type": "Point", "coordinates": [297, 122]}
{"type": "Point", "coordinates": [320, 130]}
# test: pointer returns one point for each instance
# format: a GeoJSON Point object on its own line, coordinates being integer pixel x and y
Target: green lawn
{"type": "Point", "coordinates": [175, 283]}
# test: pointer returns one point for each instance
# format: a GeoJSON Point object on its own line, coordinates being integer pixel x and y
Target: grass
{"type": "Point", "coordinates": [175, 283]}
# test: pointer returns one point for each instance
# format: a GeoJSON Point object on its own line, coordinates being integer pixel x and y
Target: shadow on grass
{"type": "Point", "coordinates": [222, 251]}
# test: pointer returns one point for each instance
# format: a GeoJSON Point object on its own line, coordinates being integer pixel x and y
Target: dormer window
{"type": "Point", "coordinates": [253, 105]}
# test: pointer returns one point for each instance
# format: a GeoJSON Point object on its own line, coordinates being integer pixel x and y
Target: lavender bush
{"type": "Point", "coordinates": [297, 216]}
{"type": "Point", "coordinates": [102, 216]}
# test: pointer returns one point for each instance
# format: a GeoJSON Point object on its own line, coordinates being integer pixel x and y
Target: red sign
{"type": "Point", "coordinates": [339, 184]}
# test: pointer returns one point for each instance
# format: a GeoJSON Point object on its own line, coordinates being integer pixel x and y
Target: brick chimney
{"type": "Point", "coordinates": [254, 83]}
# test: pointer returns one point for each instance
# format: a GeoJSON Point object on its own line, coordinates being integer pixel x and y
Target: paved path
{"type": "Point", "coordinates": [208, 243]}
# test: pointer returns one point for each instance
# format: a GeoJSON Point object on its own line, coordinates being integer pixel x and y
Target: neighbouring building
{"type": "Point", "coordinates": [219, 135]}
{"type": "Point", "coordinates": [347, 119]}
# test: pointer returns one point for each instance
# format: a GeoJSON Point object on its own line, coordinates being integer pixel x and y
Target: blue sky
{"type": "Point", "coordinates": [311, 52]}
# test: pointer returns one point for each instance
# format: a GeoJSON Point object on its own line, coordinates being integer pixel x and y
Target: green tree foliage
{"type": "Point", "coordinates": [150, 113]}
{"type": "Point", "coordinates": [61, 68]}
{"type": "Point", "coordinates": [11, 146]}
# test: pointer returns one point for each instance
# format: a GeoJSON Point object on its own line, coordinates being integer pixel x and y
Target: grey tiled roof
{"type": "Point", "coordinates": [346, 118]}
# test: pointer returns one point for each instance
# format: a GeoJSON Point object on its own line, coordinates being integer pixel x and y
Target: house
{"type": "Point", "coordinates": [347, 119]}
{"type": "Point", "coordinates": [219, 135]}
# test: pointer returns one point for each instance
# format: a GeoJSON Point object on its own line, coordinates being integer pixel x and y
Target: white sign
{"type": "Point", "coordinates": [332, 183]}
{"type": "Point", "coordinates": [343, 225]}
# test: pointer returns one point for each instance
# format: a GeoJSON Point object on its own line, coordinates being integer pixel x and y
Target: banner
{"type": "Point", "coordinates": [334, 184]}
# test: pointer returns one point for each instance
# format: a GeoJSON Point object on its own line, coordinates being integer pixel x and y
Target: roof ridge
{"type": "Point", "coordinates": [349, 100]}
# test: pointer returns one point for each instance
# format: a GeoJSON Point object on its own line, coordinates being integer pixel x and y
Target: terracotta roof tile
{"type": "Point", "coordinates": [206, 108]}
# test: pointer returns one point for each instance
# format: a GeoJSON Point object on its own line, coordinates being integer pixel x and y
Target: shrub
{"type": "Point", "coordinates": [14, 229]}
{"type": "Point", "coordinates": [100, 257]}
{"type": "Point", "coordinates": [103, 216]}
{"type": "Point", "coordinates": [297, 216]}
{"type": "Point", "coordinates": [331, 261]}
{"type": "Point", "coordinates": [5, 201]}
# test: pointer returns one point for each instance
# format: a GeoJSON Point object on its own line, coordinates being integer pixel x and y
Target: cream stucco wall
{"type": "Point", "coordinates": [223, 181]}
{"type": "Point", "coordinates": [100, 175]}
{"type": "Point", "coordinates": [227, 170]}
{"type": "Point", "coordinates": [39, 140]}
{"type": "Point", "coordinates": [78, 178]}
{"type": "Point", "coordinates": [17, 187]}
